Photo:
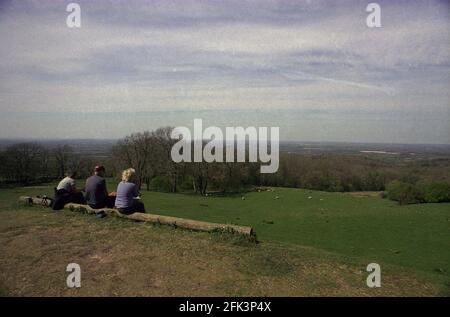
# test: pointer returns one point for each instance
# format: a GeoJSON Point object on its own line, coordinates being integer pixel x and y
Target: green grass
{"type": "Point", "coordinates": [377, 230]}
{"type": "Point", "coordinates": [415, 236]}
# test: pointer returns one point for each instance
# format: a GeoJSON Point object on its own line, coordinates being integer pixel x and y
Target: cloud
{"type": "Point", "coordinates": [191, 55]}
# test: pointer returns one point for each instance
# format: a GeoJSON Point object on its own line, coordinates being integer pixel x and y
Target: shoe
{"type": "Point", "coordinates": [100, 215]}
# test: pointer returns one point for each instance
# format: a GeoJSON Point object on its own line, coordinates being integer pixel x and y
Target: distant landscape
{"type": "Point", "coordinates": [328, 166]}
{"type": "Point", "coordinates": [363, 223]}
{"type": "Point", "coordinates": [104, 146]}
{"type": "Point", "coordinates": [225, 148]}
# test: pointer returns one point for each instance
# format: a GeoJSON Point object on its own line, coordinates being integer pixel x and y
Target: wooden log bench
{"type": "Point", "coordinates": [145, 217]}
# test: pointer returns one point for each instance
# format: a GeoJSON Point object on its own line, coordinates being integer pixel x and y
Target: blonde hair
{"type": "Point", "coordinates": [128, 174]}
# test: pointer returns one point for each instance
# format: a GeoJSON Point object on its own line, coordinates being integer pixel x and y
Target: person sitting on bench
{"type": "Point", "coordinates": [97, 195]}
{"type": "Point", "coordinates": [67, 192]}
{"type": "Point", "coordinates": [127, 200]}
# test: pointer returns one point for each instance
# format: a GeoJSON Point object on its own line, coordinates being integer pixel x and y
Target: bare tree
{"type": "Point", "coordinates": [63, 156]}
{"type": "Point", "coordinates": [22, 162]}
{"type": "Point", "coordinates": [135, 151]}
{"type": "Point", "coordinates": [201, 174]}
{"type": "Point", "coordinates": [164, 163]}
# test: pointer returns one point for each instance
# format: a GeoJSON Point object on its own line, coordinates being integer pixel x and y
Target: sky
{"type": "Point", "coordinates": [312, 68]}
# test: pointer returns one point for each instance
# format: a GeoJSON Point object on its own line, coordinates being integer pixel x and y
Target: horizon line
{"type": "Point", "coordinates": [31, 139]}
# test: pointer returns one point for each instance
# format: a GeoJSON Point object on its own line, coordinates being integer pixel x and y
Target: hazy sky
{"type": "Point", "coordinates": [313, 68]}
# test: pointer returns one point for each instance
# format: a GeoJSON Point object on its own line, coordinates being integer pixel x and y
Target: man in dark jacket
{"type": "Point", "coordinates": [96, 193]}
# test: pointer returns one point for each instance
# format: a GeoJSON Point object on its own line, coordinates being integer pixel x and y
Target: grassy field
{"type": "Point", "coordinates": [313, 243]}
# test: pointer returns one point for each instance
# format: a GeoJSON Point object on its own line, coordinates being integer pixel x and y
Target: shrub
{"type": "Point", "coordinates": [437, 192]}
{"type": "Point", "coordinates": [187, 184]}
{"type": "Point", "coordinates": [404, 193]}
{"type": "Point", "coordinates": [160, 183]}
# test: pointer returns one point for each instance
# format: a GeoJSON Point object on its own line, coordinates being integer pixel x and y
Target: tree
{"type": "Point", "coordinates": [404, 193]}
{"type": "Point", "coordinates": [146, 152]}
{"type": "Point", "coordinates": [63, 156]}
{"type": "Point", "coordinates": [22, 162]}
{"type": "Point", "coordinates": [162, 157]}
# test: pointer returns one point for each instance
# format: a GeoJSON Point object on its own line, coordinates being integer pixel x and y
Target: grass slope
{"type": "Point", "coordinates": [414, 238]}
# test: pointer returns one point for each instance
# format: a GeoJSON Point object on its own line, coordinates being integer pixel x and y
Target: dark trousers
{"type": "Point", "coordinates": [107, 203]}
{"type": "Point", "coordinates": [137, 206]}
{"type": "Point", "coordinates": [63, 197]}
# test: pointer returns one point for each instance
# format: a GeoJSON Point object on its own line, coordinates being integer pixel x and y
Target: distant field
{"type": "Point", "coordinates": [364, 228]}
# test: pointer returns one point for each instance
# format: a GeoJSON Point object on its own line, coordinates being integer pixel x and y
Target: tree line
{"type": "Point", "coordinates": [30, 162]}
{"type": "Point", "coordinates": [149, 153]}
